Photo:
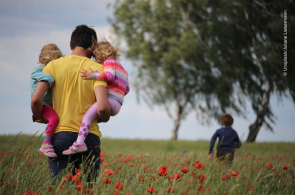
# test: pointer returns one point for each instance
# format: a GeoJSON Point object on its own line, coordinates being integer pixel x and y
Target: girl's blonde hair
{"type": "Point", "coordinates": [104, 51]}
{"type": "Point", "coordinates": [49, 52]}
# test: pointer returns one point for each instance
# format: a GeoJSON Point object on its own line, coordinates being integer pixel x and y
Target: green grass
{"type": "Point", "coordinates": [23, 169]}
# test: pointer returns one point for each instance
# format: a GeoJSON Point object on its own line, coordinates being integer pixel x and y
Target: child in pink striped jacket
{"type": "Point", "coordinates": [117, 79]}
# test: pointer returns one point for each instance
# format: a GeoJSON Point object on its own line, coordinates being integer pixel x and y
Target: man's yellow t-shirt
{"type": "Point", "coordinates": [72, 96]}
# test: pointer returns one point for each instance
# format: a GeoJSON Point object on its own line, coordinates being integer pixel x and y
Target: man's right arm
{"type": "Point", "coordinates": [103, 107]}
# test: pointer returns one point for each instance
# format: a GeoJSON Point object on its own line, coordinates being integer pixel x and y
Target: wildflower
{"type": "Point", "coordinates": [106, 181]}
{"type": "Point", "coordinates": [151, 190]}
{"type": "Point", "coordinates": [218, 159]}
{"type": "Point", "coordinates": [78, 187]}
{"type": "Point", "coordinates": [119, 186]}
{"type": "Point", "coordinates": [197, 161]}
{"type": "Point", "coordinates": [131, 165]}
{"type": "Point", "coordinates": [189, 182]}
{"type": "Point", "coordinates": [153, 178]}
{"type": "Point", "coordinates": [225, 177]}
{"type": "Point", "coordinates": [101, 160]}
{"type": "Point", "coordinates": [30, 192]}
{"type": "Point", "coordinates": [170, 189]}
{"type": "Point", "coordinates": [120, 154]}
{"type": "Point", "coordinates": [200, 188]}
{"type": "Point", "coordinates": [234, 173]}
{"type": "Point", "coordinates": [3, 154]}
{"type": "Point", "coordinates": [187, 162]}
{"type": "Point", "coordinates": [199, 165]}
{"type": "Point", "coordinates": [184, 170]}
{"type": "Point", "coordinates": [108, 172]}
{"type": "Point", "coordinates": [269, 166]}
{"type": "Point", "coordinates": [163, 171]}
{"type": "Point", "coordinates": [102, 154]}
{"type": "Point", "coordinates": [285, 167]}
{"type": "Point", "coordinates": [177, 177]}
{"type": "Point", "coordinates": [201, 177]}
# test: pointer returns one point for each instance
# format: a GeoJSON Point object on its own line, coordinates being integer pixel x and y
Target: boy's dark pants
{"type": "Point", "coordinates": [221, 154]}
{"type": "Point", "coordinates": [62, 141]}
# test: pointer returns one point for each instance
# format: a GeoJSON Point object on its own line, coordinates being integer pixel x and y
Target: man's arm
{"type": "Point", "coordinates": [103, 107]}
{"type": "Point", "coordinates": [37, 99]}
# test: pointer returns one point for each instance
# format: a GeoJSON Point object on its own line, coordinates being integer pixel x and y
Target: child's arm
{"type": "Point", "coordinates": [212, 142]}
{"type": "Point", "coordinates": [109, 75]}
{"type": "Point", "coordinates": [41, 76]}
{"type": "Point", "coordinates": [127, 88]}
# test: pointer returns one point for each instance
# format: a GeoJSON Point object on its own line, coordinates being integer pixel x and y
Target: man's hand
{"type": "Point", "coordinates": [87, 74]}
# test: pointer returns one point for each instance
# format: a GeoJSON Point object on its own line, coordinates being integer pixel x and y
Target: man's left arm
{"type": "Point", "coordinates": [37, 99]}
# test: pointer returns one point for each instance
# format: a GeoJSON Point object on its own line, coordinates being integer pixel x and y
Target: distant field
{"type": "Point", "coordinates": [23, 169]}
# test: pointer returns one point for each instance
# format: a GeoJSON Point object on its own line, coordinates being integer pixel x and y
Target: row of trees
{"type": "Point", "coordinates": [209, 57]}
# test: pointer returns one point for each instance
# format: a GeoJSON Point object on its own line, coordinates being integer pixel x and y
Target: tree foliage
{"type": "Point", "coordinates": [205, 56]}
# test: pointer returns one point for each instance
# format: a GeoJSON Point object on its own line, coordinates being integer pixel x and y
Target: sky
{"type": "Point", "coordinates": [26, 26]}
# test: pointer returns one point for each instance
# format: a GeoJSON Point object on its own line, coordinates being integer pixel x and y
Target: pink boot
{"type": "Point", "coordinates": [75, 148]}
{"type": "Point", "coordinates": [48, 150]}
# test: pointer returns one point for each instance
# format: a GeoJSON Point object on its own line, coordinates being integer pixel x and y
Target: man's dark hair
{"type": "Point", "coordinates": [83, 36]}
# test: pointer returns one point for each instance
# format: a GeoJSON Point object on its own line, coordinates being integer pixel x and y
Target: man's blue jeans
{"type": "Point", "coordinates": [91, 159]}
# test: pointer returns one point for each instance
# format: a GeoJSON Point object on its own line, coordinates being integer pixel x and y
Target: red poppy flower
{"type": "Point", "coordinates": [102, 154]}
{"type": "Point", "coordinates": [101, 160]}
{"type": "Point", "coordinates": [285, 167]}
{"type": "Point", "coordinates": [234, 173]}
{"type": "Point", "coordinates": [119, 186]}
{"type": "Point", "coordinates": [269, 166]}
{"type": "Point", "coordinates": [197, 161]}
{"type": "Point", "coordinates": [163, 171]}
{"type": "Point", "coordinates": [199, 165]}
{"type": "Point", "coordinates": [30, 192]}
{"type": "Point", "coordinates": [78, 187]}
{"type": "Point", "coordinates": [171, 189]}
{"type": "Point", "coordinates": [108, 172]}
{"type": "Point", "coordinates": [225, 177]}
{"type": "Point", "coordinates": [200, 188]}
{"type": "Point", "coordinates": [151, 190]}
{"type": "Point", "coordinates": [177, 177]}
{"type": "Point", "coordinates": [184, 170]}
{"type": "Point", "coordinates": [106, 181]}
{"type": "Point", "coordinates": [131, 165]}
{"type": "Point", "coordinates": [189, 182]}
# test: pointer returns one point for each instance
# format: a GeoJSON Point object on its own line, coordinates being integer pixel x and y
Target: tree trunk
{"type": "Point", "coordinates": [177, 119]}
{"type": "Point", "coordinates": [255, 127]}
{"type": "Point", "coordinates": [175, 128]}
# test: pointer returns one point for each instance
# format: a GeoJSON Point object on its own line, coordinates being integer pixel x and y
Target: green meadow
{"type": "Point", "coordinates": [152, 167]}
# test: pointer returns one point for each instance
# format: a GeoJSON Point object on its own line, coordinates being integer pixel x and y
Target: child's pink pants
{"type": "Point", "coordinates": [50, 115]}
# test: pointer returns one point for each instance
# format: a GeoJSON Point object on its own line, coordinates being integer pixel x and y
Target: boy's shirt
{"type": "Point", "coordinates": [72, 96]}
{"type": "Point", "coordinates": [37, 76]}
{"type": "Point", "coordinates": [227, 138]}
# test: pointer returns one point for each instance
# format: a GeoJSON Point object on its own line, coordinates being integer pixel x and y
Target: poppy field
{"type": "Point", "coordinates": [152, 167]}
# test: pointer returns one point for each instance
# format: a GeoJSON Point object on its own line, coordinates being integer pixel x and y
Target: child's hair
{"type": "Point", "coordinates": [49, 52]}
{"type": "Point", "coordinates": [83, 36]}
{"type": "Point", "coordinates": [226, 120]}
{"type": "Point", "coordinates": [104, 51]}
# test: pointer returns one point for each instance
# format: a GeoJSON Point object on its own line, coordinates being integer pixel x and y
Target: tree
{"type": "Point", "coordinates": [203, 56]}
